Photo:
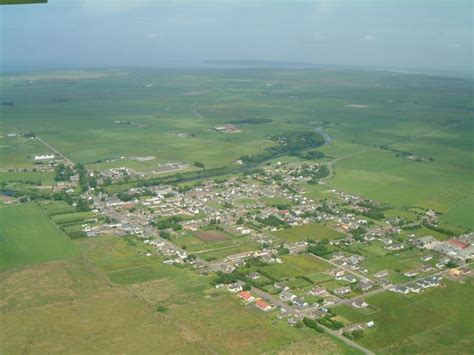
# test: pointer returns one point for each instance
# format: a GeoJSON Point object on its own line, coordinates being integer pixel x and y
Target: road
{"type": "Point", "coordinates": [57, 152]}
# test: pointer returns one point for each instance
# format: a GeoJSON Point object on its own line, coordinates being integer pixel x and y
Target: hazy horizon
{"type": "Point", "coordinates": [416, 36]}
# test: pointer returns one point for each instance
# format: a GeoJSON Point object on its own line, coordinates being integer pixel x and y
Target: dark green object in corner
{"type": "Point", "coordinates": [21, 2]}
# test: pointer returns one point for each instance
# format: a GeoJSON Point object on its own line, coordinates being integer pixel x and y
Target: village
{"type": "Point", "coordinates": [277, 249]}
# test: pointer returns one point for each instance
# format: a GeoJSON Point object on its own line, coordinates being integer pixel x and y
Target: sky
{"type": "Point", "coordinates": [412, 35]}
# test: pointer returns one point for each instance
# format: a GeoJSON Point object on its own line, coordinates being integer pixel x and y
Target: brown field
{"type": "Point", "coordinates": [71, 307]}
{"type": "Point", "coordinates": [211, 236]}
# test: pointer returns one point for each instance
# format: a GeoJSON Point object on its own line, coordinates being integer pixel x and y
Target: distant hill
{"type": "Point", "coordinates": [262, 63]}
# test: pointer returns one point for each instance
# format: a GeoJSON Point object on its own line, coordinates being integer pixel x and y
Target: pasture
{"type": "Point", "coordinates": [174, 120]}
{"type": "Point", "coordinates": [437, 321]}
{"type": "Point", "coordinates": [99, 316]}
{"type": "Point", "coordinates": [28, 237]}
{"type": "Point", "coordinates": [314, 231]}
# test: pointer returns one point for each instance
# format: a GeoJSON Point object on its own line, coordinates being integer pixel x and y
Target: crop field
{"type": "Point", "coordinates": [28, 237]}
{"type": "Point", "coordinates": [313, 231]}
{"type": "Point", "coordinates": [445, 327]}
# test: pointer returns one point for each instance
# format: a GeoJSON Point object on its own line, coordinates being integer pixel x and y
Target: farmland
{"type": "Point", "coordinates": [29, 237]}
{"type": "Point", "coordinates": [312, 231]}
{"type": "Point", "coordinates": [165, 124]}
{"type": "Point", "coordinates": [444, 327]}
{"type": "Point", "coordinates": [68, 294]}
{"type": "Point", "coordinates": [188, 186]}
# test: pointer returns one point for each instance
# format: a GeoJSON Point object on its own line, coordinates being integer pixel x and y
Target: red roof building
{"type": "Point", "coordinates": [264, 306]}
{"type": "Point", "coordinates": [458, 243]}
{"type": "Point", "coordinates": [246, 296]}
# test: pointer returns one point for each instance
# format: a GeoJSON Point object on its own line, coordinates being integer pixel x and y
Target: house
{"type": "Point", "coordinates": [400, 289]}
{"type": "Point", "coordinates": [359, 304]}
{"type": "Point", "coordinates": [286, 295]}
{"type": "Point", "coordinates": [254, 275]}
{"type": "Point", "coordinates": [365, 285]}
{"type": "Point", "coordinates": [246, 296]}
{"type": "Point", "coordinates": [299, 302]}
{"type": "Point", "coordinates": [349, 278]}
{"type": "Point", "coordinates": [235, 287]}
{"type": "Point", "coordinates": [411, 273]}
{"type": "Point", "coordinates": [414, 288]}
{"type": "Point", "coordinates": [113, 201]}
{"type": "Point", "coordinates": [384, 283]}
{"type": "Point", "coordinates": [318, 291]}
{"type": "Point", "coordinates": [280, 286]}
{"type": "Point", "coordinates": [264, 306]}
{"type": "Point", "coordinates": [44, 157]}
{"type": "Point", "coordinates": [342, 290]}
{"type": "Point", "coordinates": [380, 274]}
{"type": "Point", "coordinates": [426, 257]}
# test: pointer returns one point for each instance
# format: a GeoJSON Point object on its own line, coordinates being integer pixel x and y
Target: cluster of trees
{"type": "Point", "coordinates": [439, 229]}
{"type": "Point", "coordinates": [85, 181]}
{"type": "Point", "coordinates": [311, 155]}
{"type": "Point", "coordinates": [322, 172]}
{"type": "Point", "coordinates": [82, 205]}
{"type": "Point", "coordinates": [272, 221]}
{"type": "Point", "coordinates": [169, 222]}
{"type": "Point", "coordinates": [320, 248]}
{"type": "Point", "coordinates": [359, 233]}
{"type": "Point", "coordinates": [403, 154]}
{"type": "Point", "coordinates": [198, 164]}
{"type": "Point", "coordinates": [62, 172]}
{"type": "Point", "coordinates": [287, 144]}
{"type": "Point", "coordinates": [374, 214]}
{"type": "Point", "coordinates": [354, 335]}
{"type": "Point", "coordinates": [330, 323]}
{"type": "Point", "coordinates": [310, 323]}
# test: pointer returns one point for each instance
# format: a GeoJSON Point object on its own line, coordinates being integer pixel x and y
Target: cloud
{"type": "Point", "coordinates": [153, 35]}
{"type": "Point", "coordinates": [368, 38]}
{"type": "Point", "coordinates": [454, 45]}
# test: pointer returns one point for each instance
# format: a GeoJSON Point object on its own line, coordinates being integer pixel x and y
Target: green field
{"type": "Point", "coordinates": [173, 121]}
{"type": "Point", "coordinates": [72, 217]}
{"type": "Point", "coordinates": [100, 316]}
{"type": "Point", "coordinates": [313, 231]}
{"type": "Point", "coordinates": [114, 299]}
{"type": "Point", "coordinates": [28, 237]}
{"type": "Point", "coordinates": [438, 321]}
